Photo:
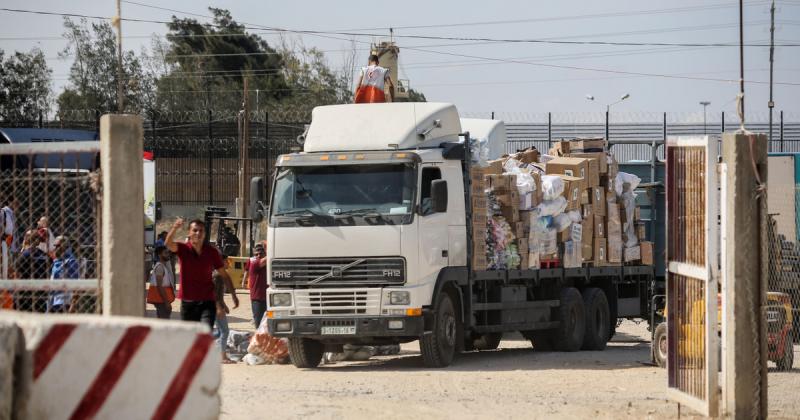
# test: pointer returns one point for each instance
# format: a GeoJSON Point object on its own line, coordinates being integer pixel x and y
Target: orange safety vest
{"type": "Point", "coordinates": [369, 95]}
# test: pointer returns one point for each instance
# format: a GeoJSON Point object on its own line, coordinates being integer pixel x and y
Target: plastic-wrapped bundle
{"type": "Point", "coordinates": [561, 222]}
{"type": "Point", "coordinates": [541, 224]}
{"type": "Point", "coordinates": [575, 216]}
{"type": "Point", "coordinates": [479, 149]}
{"type": "Point", "coordinates": [552, 187]}
{"type": "Point", "coordinates": [629, 230]}
{"type": "Point", "coordinates": [512, 257]}
{"type": "Point", "coordinates": [547, 242]}
{"type": "Point", "coordinates": [552, 207]}
{"type": "Point", "coordinates": [623, 178]}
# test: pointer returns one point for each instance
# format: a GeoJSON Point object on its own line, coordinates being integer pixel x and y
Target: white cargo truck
{"type": "Point", "coordinates": [369, 243]}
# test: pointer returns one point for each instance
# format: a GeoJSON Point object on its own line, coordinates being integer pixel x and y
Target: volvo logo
{"type": "Point", "coordinates": [336, 272]}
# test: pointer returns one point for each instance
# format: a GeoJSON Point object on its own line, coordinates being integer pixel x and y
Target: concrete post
{"type": "Point", "coordinates": [122, 245]}
{"type": "Point", "coordinates": [745, 272]}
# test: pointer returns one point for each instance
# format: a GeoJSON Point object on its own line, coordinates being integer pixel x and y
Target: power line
{"type": "Point", "coordinates": [631, 73]}
{"type": "Point", "coordinates": [429, 37]}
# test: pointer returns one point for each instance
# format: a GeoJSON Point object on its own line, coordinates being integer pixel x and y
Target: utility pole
{"type": "Point", "coordinates": [771, 104]}
{"type": "Point", "coordinates": [118, 23]}
{"type": "Point", "coordinates": [741, 65]}
{"type": "Point", "coordinates": [244, 152]}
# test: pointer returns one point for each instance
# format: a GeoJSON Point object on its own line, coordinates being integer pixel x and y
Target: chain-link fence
{"type": "Point", "coordinates": [782, 313]}
{"type": "Point", "coordinates": [50, 197]}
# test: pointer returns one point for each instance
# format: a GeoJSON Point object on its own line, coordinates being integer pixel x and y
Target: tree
{"type": "Point", "coordinates": [415, 96]}
{"type": "Point", "coordinates": [24, 85]}
{"type": "Point", "coordinates": [94, 74]}
{"type": "Point", "coordinates": [215, 57]}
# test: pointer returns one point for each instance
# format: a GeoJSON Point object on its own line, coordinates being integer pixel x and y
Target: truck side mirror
{"type": "Point", "coordinates": [256, 199]}
{"type": "Point", "coordinates": [439, 195]}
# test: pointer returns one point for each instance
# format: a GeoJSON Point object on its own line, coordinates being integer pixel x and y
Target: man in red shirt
{"type": "Point", "coordinates": [255, 277]}
{"type": "Point", "coordinates": [198, 261]}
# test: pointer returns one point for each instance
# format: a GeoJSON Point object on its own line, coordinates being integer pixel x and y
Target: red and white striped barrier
{"type": "Point", "coordinates": [92, 367]}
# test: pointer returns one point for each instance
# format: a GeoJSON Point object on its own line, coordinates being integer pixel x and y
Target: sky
{"type": "Point", "coordinates": [519, 81]}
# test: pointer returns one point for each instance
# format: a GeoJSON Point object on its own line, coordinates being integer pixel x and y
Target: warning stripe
{"type": "Point", "coordinates": [110, 373]}
{"type": "Point", "coordinates": [49, 347]}
{"type": "Point", "coordinates": [176, 391]}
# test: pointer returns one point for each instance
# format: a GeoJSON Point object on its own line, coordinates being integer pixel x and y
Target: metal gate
{"type": "Point", "coordinates": [692, 273]}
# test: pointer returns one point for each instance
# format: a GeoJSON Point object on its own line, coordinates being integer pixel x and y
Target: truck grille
{"type": "Point", "coordinates": [337, 302]}
{"type": "Point", "coordinates": [326, 272]}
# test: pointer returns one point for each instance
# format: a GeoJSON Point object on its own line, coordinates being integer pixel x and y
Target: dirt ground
{"type": "Point", "coordinates": [511, 382]}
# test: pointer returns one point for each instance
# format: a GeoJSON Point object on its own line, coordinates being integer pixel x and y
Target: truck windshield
{"type": "Point", "coordinates": [344, 194]}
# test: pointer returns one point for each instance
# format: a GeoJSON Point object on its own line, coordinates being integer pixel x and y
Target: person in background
{"type": "Point", "coordinates": [222, 331]}
{"type": "Point", "coordinates": [371, 83]}
{"type": "Point", "coordinates": [161, 239]}
{"type": "Point", "coordinates": [65, 267]}
{"type": "Point", "coordinates": [43, 225]}
{"type": "Point", "coordinates": [32, 263]}
{"type": "Point", "coordinates": [255, 279]}
{"type": "Point", "coordinates": [7, 225]}
{"type": "Point", "coordinates": [198, 260]}
{"type": "Point", "coordinates": [161, 292]}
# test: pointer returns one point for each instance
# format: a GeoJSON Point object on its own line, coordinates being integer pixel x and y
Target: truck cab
{"type": "Point", "coordinates": [362, 224]}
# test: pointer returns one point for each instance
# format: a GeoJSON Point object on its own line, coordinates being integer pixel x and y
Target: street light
{"type": "Point", "coordinates": [624, 97]}
{"type": "Point", "coordinates": [705, 104]}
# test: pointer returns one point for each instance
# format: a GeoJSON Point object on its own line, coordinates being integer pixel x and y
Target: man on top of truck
{"type": "Point", "coordinates": [371, 83]}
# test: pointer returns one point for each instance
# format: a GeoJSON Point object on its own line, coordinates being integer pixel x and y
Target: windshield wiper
{"type": "Point", "coordinates": [293, 212]}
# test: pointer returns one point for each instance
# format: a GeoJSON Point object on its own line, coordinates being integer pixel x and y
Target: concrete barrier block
{"type": "Point", "coordinates": [11, 343]}
{"type": "Point", "coordinates": [118, 367]}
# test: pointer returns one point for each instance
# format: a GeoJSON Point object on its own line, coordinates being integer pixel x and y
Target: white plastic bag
{"type": "Point", "coordinates": [575, 216]}
{"type": "Point", "coordinates": [252, 359]}
{"type": "Point", "coordinates": [561, 222]}
{"type": "Point", "coordinates": [552, 187]}
{"type": "Point", "coordinates": [625, 178]}
{"type": "Point", "coordinates": [547, 242]}
{"type": "Point", "coordinates": [525, 182]}
{"type": "Point", "coordinates": [629, 202]}
{"type": "Point", "coordinates": [552, 207]}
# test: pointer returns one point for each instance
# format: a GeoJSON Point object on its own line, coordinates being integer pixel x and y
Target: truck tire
{"type": "Point", "coordinates": [488, 341]}
{"type": "Point", "coordinates": [438, 347]}
{"type": "Point", "coordinates": [785, 363]}
{"type": "Point", "coordinates": [597, 319]}
{"type": "Point", "coordinates": [658, 347]}
{"type": "Point", "coordinates": [305, 353]}
{"type": "Point", "coordinates": [572, 317]}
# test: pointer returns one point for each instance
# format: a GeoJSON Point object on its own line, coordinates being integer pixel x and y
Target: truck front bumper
{"type": "Point", "coordinates": [365, 327]}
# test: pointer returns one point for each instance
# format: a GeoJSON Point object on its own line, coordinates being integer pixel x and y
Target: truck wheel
{"type": "Point", "coordinates": [572, 317]}
{"type": "Point", "coordinates": [438, 347]}
{"type": "Point", "coordinates": [597, 319]}
{"type": "Point", "coordinates": [785, 363]}
{"type": "Point", "coordinates": [489, 341]}
{"type": "Point", "coordinates": [305, 353]}
{"type": "Point", "coordinates": [659, 345]}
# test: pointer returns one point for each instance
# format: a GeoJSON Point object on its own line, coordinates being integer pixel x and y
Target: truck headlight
{"type": "Point", "coordinates": [399, 298]}
{"type": "Point", "coordinates": [280, 299]}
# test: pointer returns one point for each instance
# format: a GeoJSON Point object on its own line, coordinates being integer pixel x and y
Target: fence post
{"type": "Point", "coordinates": [122, 239]}
{"type": "Point", "coordinates": [97, 120]}
{"type": "Point", "coordinates": [744, 282]}
{"type": "Point", "coordinates": [607, 139]}
{"type": "Point", "coordinates": [210, 159]}
{"type": "Point", "coordinates": [40, 119]}
{"type": "Point", "coordinates": [781, 131]}
{"type": "Point", "coordinates": [266, 146]}
{"type": "Point", "coordinates": [723, 122]}
{"type": "Point", "coordinates": [549, 131]}
{"type": "Point", "coordinates": [492, 114]}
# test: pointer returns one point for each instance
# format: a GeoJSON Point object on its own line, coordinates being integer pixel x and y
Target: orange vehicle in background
{"type": "Point", "coordinates": [780, 337]}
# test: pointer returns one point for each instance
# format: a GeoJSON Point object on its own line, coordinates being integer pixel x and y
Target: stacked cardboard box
{"type": "Point", "coordinates": [584, 223]}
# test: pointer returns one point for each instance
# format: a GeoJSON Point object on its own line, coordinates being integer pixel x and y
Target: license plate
{"type": "Point", "coordinates": [339, 330]}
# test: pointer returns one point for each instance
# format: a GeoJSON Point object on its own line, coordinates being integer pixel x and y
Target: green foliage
{"type": "Point", "coordinates": [93, 75]}
{"type": "Point", "coordinates": [415, 96]}
{"type": "Point", "coordinates": [24, 85]}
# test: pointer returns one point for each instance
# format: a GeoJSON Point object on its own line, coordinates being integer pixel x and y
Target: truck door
{"type": "Point", "coordinates": [433, 227]}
